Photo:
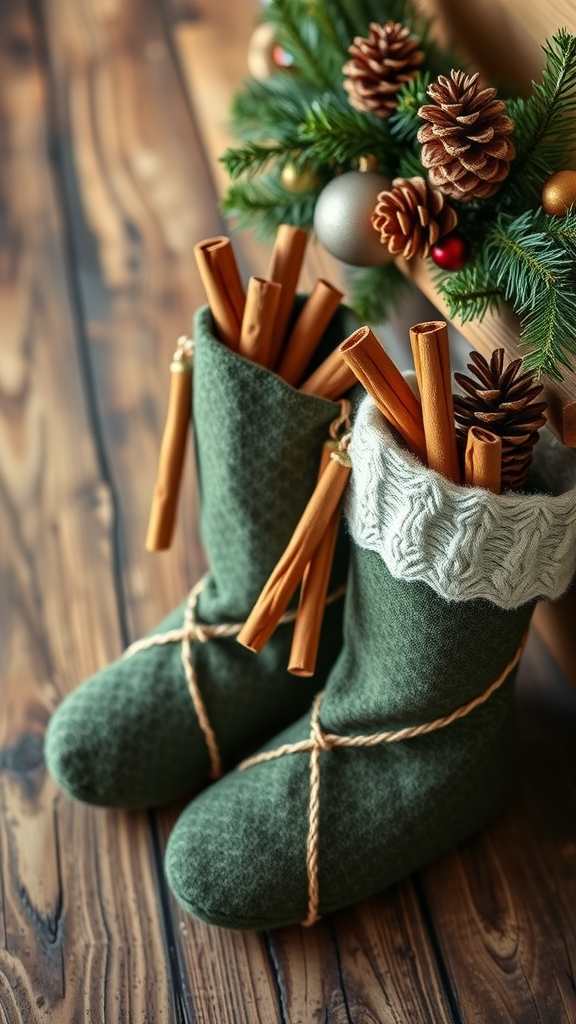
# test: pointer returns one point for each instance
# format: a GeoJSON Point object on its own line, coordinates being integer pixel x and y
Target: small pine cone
{"type": "Point", "coordinates": [379, 67]}
{"type": "Point", "coordinates": [501, 400]}
{"type": "Point", "coordinates": [411, 217]}
{"type": "Point", "coordinates": [465, 143]}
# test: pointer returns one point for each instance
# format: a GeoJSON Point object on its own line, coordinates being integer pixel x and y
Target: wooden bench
{"type": "Point", "coordinates": [111, 117]}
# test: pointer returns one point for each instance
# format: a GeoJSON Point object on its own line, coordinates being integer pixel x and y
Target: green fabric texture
{"type": "Point", "coordinates": [237, 855]}
{"type": "Point", "coordinates": [129, 737]}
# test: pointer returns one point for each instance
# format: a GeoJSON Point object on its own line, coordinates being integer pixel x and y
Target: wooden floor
{"type": "Point", "coordinates": [111, 117]}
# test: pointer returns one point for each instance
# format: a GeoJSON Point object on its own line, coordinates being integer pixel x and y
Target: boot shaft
{"type": "Point", "coordinates": [258, 445]}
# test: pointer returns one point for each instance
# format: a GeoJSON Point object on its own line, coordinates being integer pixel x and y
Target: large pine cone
{"type": "Point", "coordinates": [379, 66]}
{"type": "Point", "coordinates": [501, 400]}
{"type": "Point", "coordinates": [465, 144]}
{"type": "Point", "coordinates": [411, 217]}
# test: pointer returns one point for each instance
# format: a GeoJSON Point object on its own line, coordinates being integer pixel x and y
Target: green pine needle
{"type": "Point", "coordinates": [535, 271]}
{"type": "Point", "coordinates": [404, 123]}
{"type": "Point", "coordinates": [470, 293]}
{"type": "Point", "coordinates": [262, 204]}
{"type": "Point", "coordinates": [545, 124]}
{"type": "Point", "coordinates": [335, 133]}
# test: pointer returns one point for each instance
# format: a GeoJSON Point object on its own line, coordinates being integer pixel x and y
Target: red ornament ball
{"type": "Point", "coordinates": [451, 252]}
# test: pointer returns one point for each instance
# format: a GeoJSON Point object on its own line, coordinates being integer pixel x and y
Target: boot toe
{"type": "Point", "coordinates": [128, 737]}
{"type": "Point", "coordinates": [236, 857]}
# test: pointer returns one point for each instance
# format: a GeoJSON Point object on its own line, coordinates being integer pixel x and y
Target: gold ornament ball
{"type": "Point", "coordinates": [299, 181]}
{"type": "Point", "coordinates": [559, 193]}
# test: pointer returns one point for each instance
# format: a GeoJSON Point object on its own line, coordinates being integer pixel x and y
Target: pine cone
{"type": "Point", "coordinates": [465, 144]}
{"type": "Point", "coordinates": [411, 217]}
{"type": "Point", "coordinates": [379, 66]}
{"type": "Point", "coordinates": [501, 400]}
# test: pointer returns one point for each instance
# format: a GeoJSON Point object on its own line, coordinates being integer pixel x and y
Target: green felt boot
{"type": "Point", "coordinates": [130, 735]}
{"type": "Point", "coordinates": [442, 584]}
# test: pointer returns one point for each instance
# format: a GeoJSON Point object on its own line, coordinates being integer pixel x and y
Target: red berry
{"type": "Point", "coordinates": [451, 253]}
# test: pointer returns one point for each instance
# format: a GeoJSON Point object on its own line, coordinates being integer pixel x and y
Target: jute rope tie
{"type": "Point", "coordinates": [190, 631]}
{"type": "Point", "coordinates": [320, 741]}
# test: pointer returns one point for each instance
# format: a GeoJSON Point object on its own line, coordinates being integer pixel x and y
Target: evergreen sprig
{"type": "Point", "coordinates": [545, 124]}
{"type": "Point", "coordinates": [470, 293]}
{"type": "Point", "coordinates": [263, 204]}
{"type": "Point", "coordinates": [304, 118]}
{"type": "Point", "coordinates": [404, 123]}
{"type": "Point", "coordinates": [336, 134]}
{"type": "Point", "coordinates": [535, 270]}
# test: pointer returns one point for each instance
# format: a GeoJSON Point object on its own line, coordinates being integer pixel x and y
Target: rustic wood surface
{"type": "Point", "coordinates": [111, 117]}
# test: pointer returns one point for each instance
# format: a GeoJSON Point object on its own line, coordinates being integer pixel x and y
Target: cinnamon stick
{"type": "Point", "coordinates": [483, 460]}
{"type": "Point", "coordinates": [383, 381]}
{"type": "Point", "coordinates": [432, 362]}
{"type": "Point", "coordinates": [313, 593]}
{"type": "Point", "coordinates": [332, 379]}
{"type": "Point", "coordinates": [314, 318]}
{"type": "Point", "coordinates": [258, 321]}
{"type": "Point", "coordinates": [284, 269]}
{"type": "Point", "coordinates": [310, 615]}
{"type": "Point", "coordinates": [284, 579]}
{"type": "Point", "coordinates": [172, 451]}
{"type": "Point", "coordinates": [221, 279]}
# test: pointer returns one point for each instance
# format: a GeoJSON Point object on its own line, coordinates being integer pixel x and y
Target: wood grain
{"type": "Point", "coordinates": [97, 280]}
{"type": "Point", "coordinates": [77, 891]}
{"type": "Point", "coordinates": [503, 903]}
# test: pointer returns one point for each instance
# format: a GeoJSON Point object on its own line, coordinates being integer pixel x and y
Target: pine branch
{"type": "Point", "coordinates": [337, 134]}
{"type": "Point", "coordinates": [469, 293]}
{"type": "Point", "coordinates": [545, 124]}
{"type": "Point", "coordinates": [404, 123]}
{"type": "Point", "coordinates": [375, 292]}
{"type": "Point", "coordinates": [298, 32]}
{"type": "Point", "coordinates": [262, 204]}
{"type": "Point", "coordinates": [253, 159]}
{"type": "Point", "coordinates": [535, 271]}
{"type": "Point", "coordinates": [271, 110]}
{"type": "Point", "coordinates": [335, 24]}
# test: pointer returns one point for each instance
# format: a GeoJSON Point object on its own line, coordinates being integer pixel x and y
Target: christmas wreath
{"type": "Point", "coordinates": [378, 138]}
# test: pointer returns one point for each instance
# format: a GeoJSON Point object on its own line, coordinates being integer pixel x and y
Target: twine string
{"type": "Point", "coordinates": [320, 741]}
{"type": "Point", "coordinates": [190, 631]}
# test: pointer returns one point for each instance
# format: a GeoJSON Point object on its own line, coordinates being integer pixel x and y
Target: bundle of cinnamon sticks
{"type": "Point", "coordinates": [426, 424]}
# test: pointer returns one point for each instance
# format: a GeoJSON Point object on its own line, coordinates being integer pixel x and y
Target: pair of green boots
{"type": "Point", "coordinates": [411, 745]}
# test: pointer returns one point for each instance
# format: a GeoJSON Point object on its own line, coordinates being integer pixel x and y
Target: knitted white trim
{"type": "Point", "coordinates": [464, 542]}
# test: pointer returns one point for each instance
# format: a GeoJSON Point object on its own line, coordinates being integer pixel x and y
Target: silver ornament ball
{"type": "Point", "coordinates": [343, 218]}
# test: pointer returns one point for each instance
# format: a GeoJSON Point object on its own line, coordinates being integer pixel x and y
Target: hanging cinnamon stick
{"type": "Point", "coordinates": [172, 450]}
{"type": "Point", "coordinates": [285, 265]}
{"type": "Point", "coordinates": [258, 321]}
{"type": "Point", "coordinates": [221, 280]}
{"type": "Point", "coordinates": [483, 460]}
{"type": "Point", "coordinates": [383, 381]}
{"type": "Point", "coordinates": [284, 579]}
{"type": "Point", "coordinates": [313, 593]}
{"type": "Point", "coordinates": [314, 318]}
{"type": "Point", "coordinates": [331, 380]}
{"type": "Point", "coordinates": [432, 363]}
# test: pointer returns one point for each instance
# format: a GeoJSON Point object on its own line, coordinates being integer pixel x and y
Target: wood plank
{"type": "Point", "coordinates": [77, 886]}
{"type": "Point", "coordinates": [142, 196]}
{"type": "Point", "coordinates": [503, 903]}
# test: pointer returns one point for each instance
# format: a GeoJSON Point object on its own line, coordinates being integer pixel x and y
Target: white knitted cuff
{"type": "Point", "coordinates": [463, 542]}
